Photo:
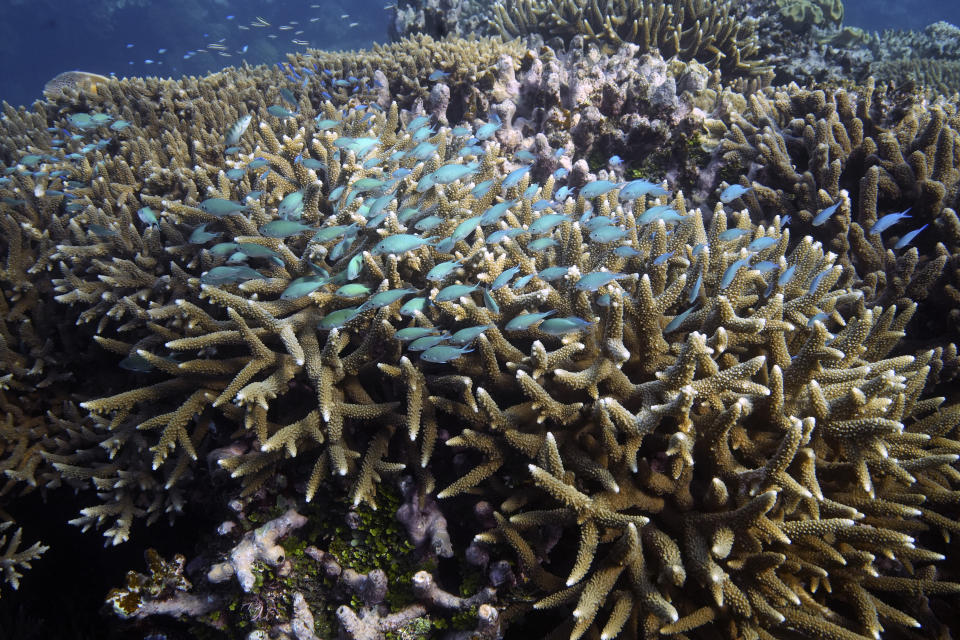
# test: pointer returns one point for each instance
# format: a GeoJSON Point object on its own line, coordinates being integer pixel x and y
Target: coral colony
{"type": "Point", "coordinates": [644, 348]}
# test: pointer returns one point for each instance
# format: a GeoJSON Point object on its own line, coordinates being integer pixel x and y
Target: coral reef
{"type": "Point", "coordinates": [713, 33]}
{"type": "Point", "coordinates": [674, 418]}
{"type": "Point", "coordinates": [873, 151]}
{"type": "Point", "coordinates": [802, 15]}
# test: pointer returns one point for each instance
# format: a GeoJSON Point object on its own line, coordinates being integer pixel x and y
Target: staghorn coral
{"type": "Point", "coordinates": [715, 34]}
{"type": "Point", "coordinates": [473, 64]}
{"type": "Point", "coordinates": [873, 151]}
{"type": "Point", "coordinates": [700, 416]}
{"type": "Point", "coordinates": [12, 558]}
{"type": "Point", "coordinates": [936, 76]}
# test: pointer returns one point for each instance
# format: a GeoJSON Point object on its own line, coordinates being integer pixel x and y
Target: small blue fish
{"type": "Point", "coordinates": [515, 176]}
{"type": "Point", "coordinates": [541, 244]}
{"type": "Point", "coordinates": [615, 161]}
{"type": "Point", "coordinates": [101, 231]}
{"type": "Point", "coordinates": [524, 155]}
{"type": "Point", "coordinates": [733, 192]}
{"type": "Point", "coordinates": [731, 272]}
{"type": "Point", "coordinates": [279, 112]}
{"type": "Point", "coordinates": [400, 243]}
{"type": "Point", "coordinates": [596, 279]}
{"type": "Point", "coordinates": [547, 222]}
{"type": "Point", "coordinates": [660, 212]}
{"type": "Point", "coordinates": [563, 326]}
{"type": "Point", "coordinates": [328, 234]}
{"type": "Point", "coordinates": [522, 281]}
{"type": "Point", "coordinates": [733, 234]}
{"type": "Point", "coordinates": [481, 189]}
{"type": "Point", "coordinates": [442, 270]}
{"type": "Point", "coordinates": [256, 163]}
{"type": "Point", "coordinates": [550, 274]}
{"type": "Point", "coordinates": [422, 134]}
{"type": "Point", "coordinates": [230, 275]}
{"type": "Point", "coordinates": [338, 319]}
{"type": "Point", "coordinates": [563, 192]}
{"type": "Point", "coordinates": [824, 215]}
{"type": "Point", "coordinates": [437, 75]}
{"type": "Point", "coordinates": [787, 275]}
{"type": "Point", "coordinates": [487, 130]}
{"type": "Point", "coordinates": [505, 276]}
{"type": "Point", "coordinates": [429, 223]}
{"type": "Point", "coordinates": [201, 236]}
{"type": "Point", "coordinates": [426, 342]}
{"type": "Point", "coordinates": [468, 335]}
{"type": "Point", "coordinates": [765, 266]}
{"type": "Point", "coordinates": [674, 324]}
{"type": "Point", "coordinates": [147, 216]}
{"type": "Point", "coordinates": [626, 251]}
{"type": "Point", "coordinates": [759, 244]}
{"type": "Point", "coordinates": [385, 298]}
{"type": "Point", "coordinates": [695, 291]}
{"type": "Point", "coordinates": [441, 354]}
{"type": "Point", "coordinates": [490, 303]}
{"type": "Point", "coordinates": [454, 292]}
{"type": "Point", "coordinates": [291, 207]}
{"type": "Point", "coordinates": [659, 260]}
{"type": "Point", "coordinates": [560, 173]}
{"type": "Point", "coordinates": [598, 188]}
{"type": "Point", "coordinates": [302, 287]}
{"type": "Point", "coordinates": [888, 221]}
{"type": "Point", "coordinates": [465, 228]}
{"type": "Point", "coordinates": [413, 306]}
{"type": "Point", "coordinates": [352, 290]}
{"type": "Point", "coordinates": [908, 238]}
{"type": "Point", "coordinates": [526, 320]}
{"type": "Point", "coordinates": [423, 151]}
{"type": "Point", "coordinates": [638, 188]}
{"type": "Point", "coordinates": [288, 96]}
{"type": "Point", "coordinates": [815, 283]}
{"type": "Point", "coordinates": [607, 234]}
{"type": "Point", "coordinates": [355, 266]}
{"type": "Point", "coordinates": [235, 174]}
{"type": "Point", "coordinates": [414, 333]}
{"type": "Point", "coordinates": [221, 207]}
{"type": "Point", "coordinates": [496, 212]}
{"type": "Point", "coordinates": [452, 172]}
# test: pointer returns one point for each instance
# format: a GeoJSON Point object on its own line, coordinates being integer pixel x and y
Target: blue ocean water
{"type": "Point", "coordinates": [877, 15]}
{"type": "Point", "coordinates": [41, 38]}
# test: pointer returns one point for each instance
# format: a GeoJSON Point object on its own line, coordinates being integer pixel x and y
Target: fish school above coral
{"type": "Point", "coordinates": [689, 421]}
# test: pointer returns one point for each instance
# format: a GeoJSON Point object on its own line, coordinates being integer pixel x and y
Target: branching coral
{"type": "Point", "coordinates": [712, 33]}
{"type": "Point", "coordinates": [12, 558]}
{"type": "Point", "coordinates": [872, 152]}
{"type": "Point", "coordinates": [691, 424]}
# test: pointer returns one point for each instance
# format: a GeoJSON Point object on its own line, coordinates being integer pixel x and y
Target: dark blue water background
{"type": "Point", "coordinates": [40, 38]}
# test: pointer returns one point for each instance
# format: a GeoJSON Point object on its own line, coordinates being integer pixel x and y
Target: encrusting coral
{"type": "Point", "coordinates": [706, 412]}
